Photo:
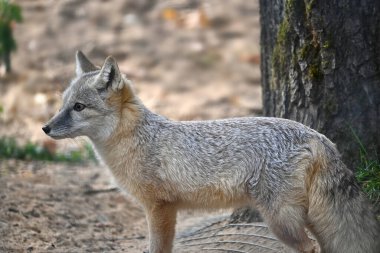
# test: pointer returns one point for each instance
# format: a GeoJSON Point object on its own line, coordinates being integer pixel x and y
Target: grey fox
{"type": "Point", "coordinates": [292, 174]}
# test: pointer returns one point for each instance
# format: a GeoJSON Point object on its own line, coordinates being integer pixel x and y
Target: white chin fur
{"type": "Point", "coordinates": [57, 137]}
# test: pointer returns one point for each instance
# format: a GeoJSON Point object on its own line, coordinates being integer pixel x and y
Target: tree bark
{"type": "Point", "coordinates": [320, 65]}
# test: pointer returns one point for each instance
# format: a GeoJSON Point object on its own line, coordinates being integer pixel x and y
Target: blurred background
{"type": "Point", "coordinates": [189, 60]}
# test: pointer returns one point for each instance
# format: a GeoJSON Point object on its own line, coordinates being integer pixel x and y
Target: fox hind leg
{"type": "Point", "coordinates": [288, 224]}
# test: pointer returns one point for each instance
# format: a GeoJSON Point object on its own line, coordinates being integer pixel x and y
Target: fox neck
{"type": "Point", "coordinates": [121, 125]}
{"type": "Point", "coordinates": [125, 149]}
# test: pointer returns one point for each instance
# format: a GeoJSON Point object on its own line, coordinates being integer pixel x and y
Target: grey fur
{"type": "Point", "coordinates": [291, 173]}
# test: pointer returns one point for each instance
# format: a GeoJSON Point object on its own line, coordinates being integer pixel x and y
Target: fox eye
{"type": "Point", "coordinates": [79, 107]}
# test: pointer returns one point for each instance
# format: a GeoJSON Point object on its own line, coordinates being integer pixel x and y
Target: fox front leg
{"type": "Point", "coordinates": [161, 221]}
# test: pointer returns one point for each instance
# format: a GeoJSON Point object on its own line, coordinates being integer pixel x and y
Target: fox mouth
{"type": "Point", "coordinates": [57, 137]}
{"type": "Point", "coordinates": [54, 134]}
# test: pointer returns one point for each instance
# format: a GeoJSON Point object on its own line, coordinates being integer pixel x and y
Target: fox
{"type": "Point", "coordinates": [291, 173]}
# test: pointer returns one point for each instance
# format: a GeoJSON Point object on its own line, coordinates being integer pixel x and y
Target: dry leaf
{"type": "Point", "coordinates": [252, 58]}
{"type": "Point", "coordinates": [170, 14]}
{"type": "Point", "coordinates": [204, 21]}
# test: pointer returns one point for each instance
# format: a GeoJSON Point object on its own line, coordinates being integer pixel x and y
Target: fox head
{"type": "Point", "coordinates": [93, 103]}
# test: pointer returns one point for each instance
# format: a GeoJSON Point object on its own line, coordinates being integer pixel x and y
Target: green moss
{"type": "Point", "coordinates": [309, 7]}
{"type": "Point", "coordinates": [283, 31]}
{"type": "Point", "coordinates": [289, 6]}
{"type": "Point", "coordinates": [279, 49]}
{"type": "Point", "coordinates": [326, 44]}
{"type": "Point", "coordinates": [325, 64]}
{"type": "Point", "coordinates": [314, 72]}
{"type": "Point", "coordinates": [309, 52]}
{"type": "Point", "coordinates": [303, 52]}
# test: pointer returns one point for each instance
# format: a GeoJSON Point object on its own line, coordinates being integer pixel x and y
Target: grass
{"type": "Point", "coordinates": [368, 174]}
{"type": "Point", "coordinates": [10, 149]}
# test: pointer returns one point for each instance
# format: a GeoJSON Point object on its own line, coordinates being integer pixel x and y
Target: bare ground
{"type": "Point", "coordinates": [49, 207]}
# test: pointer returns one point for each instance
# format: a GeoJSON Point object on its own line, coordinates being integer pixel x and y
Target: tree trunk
{"type": "Point", "coordinates": [321, 67]}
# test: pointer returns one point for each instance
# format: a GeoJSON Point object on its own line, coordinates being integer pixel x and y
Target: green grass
{"type": "Point", "coordinates": [368, 174]}
{"type": "Point", "coordinates": [10, 149]}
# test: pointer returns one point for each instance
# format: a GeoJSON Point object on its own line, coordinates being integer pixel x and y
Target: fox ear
{"type": "Point", "coordinates": [110, 76]}
{"type": "Point", "coordinates": [83, 65]}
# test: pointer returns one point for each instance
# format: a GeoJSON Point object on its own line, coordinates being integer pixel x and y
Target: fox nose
{"type": "Point", "coordinates": [46, 129]}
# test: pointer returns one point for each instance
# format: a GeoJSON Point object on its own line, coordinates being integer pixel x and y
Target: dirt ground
{"type": "Point", "coordinates": [188, 60]}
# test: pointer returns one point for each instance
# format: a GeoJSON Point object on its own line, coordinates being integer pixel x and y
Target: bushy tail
{"type": "Point", "coordinates": [339, 215]}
